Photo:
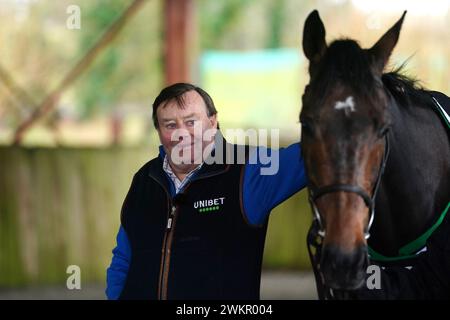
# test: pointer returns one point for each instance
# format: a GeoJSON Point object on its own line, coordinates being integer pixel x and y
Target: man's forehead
{"type": "Point", "coordinates": [172, 116]}
{"type": "Point", "coordinates": [192, 96]}
{"type": "Point", "coordinates": [192, 102]}
{"type": "Point", "coordinates": [189, 98]}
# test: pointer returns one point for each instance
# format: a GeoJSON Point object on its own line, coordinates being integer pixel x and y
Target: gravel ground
{"type": "Point", "coordinates": [276, 285]}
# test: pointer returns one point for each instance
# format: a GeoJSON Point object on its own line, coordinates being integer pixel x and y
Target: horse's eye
{"type": "Point", "coordinates": [307, 127]}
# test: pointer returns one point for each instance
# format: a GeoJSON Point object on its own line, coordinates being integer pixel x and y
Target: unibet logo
{"type": "Point", "coordinates": [210, 205]}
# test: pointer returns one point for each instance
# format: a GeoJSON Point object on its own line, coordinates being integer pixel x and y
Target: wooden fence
{"type": "Point", "coordinates": [61, 207]}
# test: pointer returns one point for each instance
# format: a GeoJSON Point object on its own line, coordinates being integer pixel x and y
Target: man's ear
{"type": "Point", "coordinates": [213, 120]}
{"type": "Point", "coordinates": [381, 51]}
{"type": "Point", "coordinates": [314, 44]}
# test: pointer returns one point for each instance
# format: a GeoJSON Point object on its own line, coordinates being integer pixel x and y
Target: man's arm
{"type": "Point", "coordinates": [118, 270]}
{"type": "Point", "coordinates": [266, 186]}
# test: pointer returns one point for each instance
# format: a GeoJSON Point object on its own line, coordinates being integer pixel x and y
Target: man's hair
{"type": "Point", "coordinates": [176, 91]}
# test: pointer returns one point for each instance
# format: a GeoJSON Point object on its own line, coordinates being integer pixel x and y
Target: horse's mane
{"type": "Point", "coordinates": [344, 62]}
{"type": "Point", "coordinates": [404, 88]}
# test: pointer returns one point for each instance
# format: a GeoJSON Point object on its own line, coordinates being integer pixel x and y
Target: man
{"type": "Point", "coordinates": [194, 221]}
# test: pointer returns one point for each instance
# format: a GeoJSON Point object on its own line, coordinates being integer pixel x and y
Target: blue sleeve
{"type": "Point", "coordinates": [118, 270]}
{"type": "Point", "coordinates": [276, 175]}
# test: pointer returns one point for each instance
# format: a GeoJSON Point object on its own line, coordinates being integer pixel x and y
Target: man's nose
{"type": "Point", "coordinates": [185, 133]}
{"type": "Point", "coordinates": [181, 133]}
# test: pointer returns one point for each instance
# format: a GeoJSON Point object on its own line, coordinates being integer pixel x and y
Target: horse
{"type": "Point", "coordinates": [370, 139]}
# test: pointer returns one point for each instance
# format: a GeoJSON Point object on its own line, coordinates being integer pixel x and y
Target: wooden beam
{"type": "Point", "coordinates": [177, 30]}
{"type": "Point", "coordinates": [17, 91]}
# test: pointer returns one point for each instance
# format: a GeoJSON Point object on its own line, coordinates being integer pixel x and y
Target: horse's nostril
{"type": "Point", "coordinates": [344, 270]}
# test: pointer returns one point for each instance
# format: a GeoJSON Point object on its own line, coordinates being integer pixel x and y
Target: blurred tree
{"type": "Point", "coordinates": [276, 20]}
{"type": "Point", "coordinates": [94, 89]}
{"type": "Point", "coordinates": [49, 103]}
{"type": "Point", "coordinates": [216, 19]}
{"type": "Point", "coordinates": [129, 71]}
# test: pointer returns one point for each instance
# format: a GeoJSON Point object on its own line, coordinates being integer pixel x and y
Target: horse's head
{"type": "Point", "coordinates": [344, 121]}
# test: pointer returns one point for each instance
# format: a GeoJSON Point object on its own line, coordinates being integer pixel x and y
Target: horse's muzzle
{"type": "Point", "coordinates": [344, 270]}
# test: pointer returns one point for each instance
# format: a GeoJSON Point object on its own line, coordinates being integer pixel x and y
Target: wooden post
{"type": "Point", "coordinates": [177, 27]}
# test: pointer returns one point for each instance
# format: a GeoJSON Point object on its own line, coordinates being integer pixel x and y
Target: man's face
{"type": "Point", "coordinates": [182, 131]}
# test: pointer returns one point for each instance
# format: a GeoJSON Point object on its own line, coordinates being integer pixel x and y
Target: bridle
{"type": "Point", "coordinates": [316, 233]}
{"type": "Point", "coordinates": [317, 192]}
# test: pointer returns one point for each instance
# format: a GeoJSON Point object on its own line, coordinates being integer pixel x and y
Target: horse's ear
{"type": "Point", "coordinates": [314, 44]}
{"type": "Point", "coordinates": [381, 51]}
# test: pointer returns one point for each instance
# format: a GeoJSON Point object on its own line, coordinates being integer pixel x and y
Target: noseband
{"type": "Point", "coordinates": [315, 193]}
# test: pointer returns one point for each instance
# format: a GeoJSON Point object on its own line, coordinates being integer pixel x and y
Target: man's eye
{"type": "Point", "coordinates": [170, 126]}
{"type": "Point", "coordinates": [190, 123]}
